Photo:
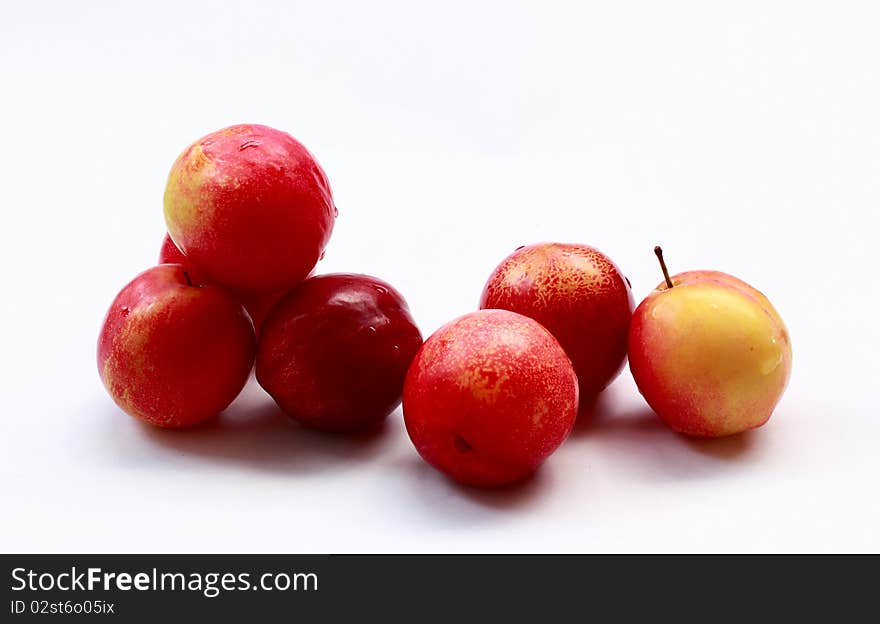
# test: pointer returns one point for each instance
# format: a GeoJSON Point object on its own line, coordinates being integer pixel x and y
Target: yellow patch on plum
{"type": "Point", "coordinates": [120, 393]}
{"type": "Point", "coordinates": [185, 192]}
{"type": "Point", "coordinates": [541, 411]}
{"type": "Point", "coordinates": [483, 384]}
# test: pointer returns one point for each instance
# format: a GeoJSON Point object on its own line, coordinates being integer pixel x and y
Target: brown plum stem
{"type": "Point", "coordinates": [659, 253]}
{"type": "Point", "coordinates": [188, 280]}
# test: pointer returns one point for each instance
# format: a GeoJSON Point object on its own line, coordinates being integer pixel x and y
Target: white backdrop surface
{"type": "Point", "coordinates": [744, 137]}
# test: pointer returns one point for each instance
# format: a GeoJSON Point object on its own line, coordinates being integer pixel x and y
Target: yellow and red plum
{"type": "Point", "coordinates": [251, 207]}
{"type": "Point", "coordinates": [334, 351]}
{"type": "Point", "coordinates": [489, 397]}
{"type": "Point", "coordinates": [710, 355]}
{"type": "Point", "coordinates": [173, 352]}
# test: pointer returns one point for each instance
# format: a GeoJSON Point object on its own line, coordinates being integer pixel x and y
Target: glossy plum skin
{"type": "Point", "coordinates": [174, 354]}
{"type": "Point", "coordinates": [334, 351]}
{"type": "Point", "coordinates": [251, 207]}
{"type": "Point", "coordinates": [257, 305]}
{"type": "Point", "coordinates": [489, 397]}
{"type": "Point", "coordinates": [577, 293]}
{"type": "Point", "coordinates": [711, 355]}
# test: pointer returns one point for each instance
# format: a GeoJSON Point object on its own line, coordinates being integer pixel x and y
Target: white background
{"type": "Point", "coordinates": [743, 136]}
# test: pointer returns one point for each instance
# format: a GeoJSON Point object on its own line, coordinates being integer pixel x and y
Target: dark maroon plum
{"type": "Point", "coordinates": [334, 351]}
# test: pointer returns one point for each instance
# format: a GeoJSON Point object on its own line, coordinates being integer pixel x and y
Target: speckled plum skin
{"type": "Point", "coordinates": [251, 207]}
{"type": "Point", "coordinates": [489, 397]}
{"type": "Point", "coordinates": [577, 293]}
{"type": "Point", "coordinates": [174, 354]}
{"type": "Point", "coordinates": [334, 351]}
{"type": "Point", "coordinates": [257, 305]}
